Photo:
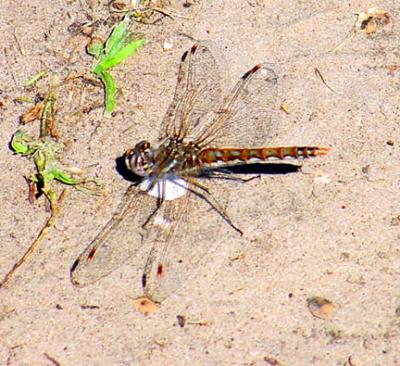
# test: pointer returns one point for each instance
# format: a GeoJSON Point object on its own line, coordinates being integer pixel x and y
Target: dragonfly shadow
{"type": "Point", "coordinates": [124, 172]}
{"type": "Point", "coordinates": [254, 169]}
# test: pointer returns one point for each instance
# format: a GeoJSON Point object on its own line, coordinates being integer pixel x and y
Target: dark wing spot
{"type": "Point", "coordinates": [74, 265]}
{"type": "Point", "coordinates": [183, 58]}
{"type": "Point", "coordinates": [160, 270]}
{"type": "Point", "coordinates": [91, 254]}
{"type": "Point", "coordinates": [144, 280]}
{"type": "Point", "coordinates": [251, 71]}
{"type": "Point", "coordinates": [194, 48]}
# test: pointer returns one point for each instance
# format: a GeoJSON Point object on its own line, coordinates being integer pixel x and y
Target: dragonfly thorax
{"type": "Point", "coordinates": [170, 156]}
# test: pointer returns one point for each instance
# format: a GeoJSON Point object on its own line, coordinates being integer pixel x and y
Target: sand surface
{"type": "Point", "coordinates": [331, 230]}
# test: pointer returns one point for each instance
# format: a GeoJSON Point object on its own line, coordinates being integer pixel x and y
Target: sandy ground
{"type": "Point", "coordinates": [330, 231]}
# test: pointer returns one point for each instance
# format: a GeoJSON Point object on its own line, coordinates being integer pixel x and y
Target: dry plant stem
{"type": "Point", "coordinates": [55, 209]}
{"type": "Point", "coordinates": [163, 12]}
{"type": "Point", "coordinates": [166, 13]}
{"type": "Point", "coordinates": [52, 359]}
{"type": "Point", "coordinates": [349, 37]}
{"type": "Point", "coordinates": [318, 73]}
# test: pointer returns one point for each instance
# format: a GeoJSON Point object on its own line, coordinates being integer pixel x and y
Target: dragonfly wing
{"type": "Point", "coordinates": [117, 241]}
{"type": "Point", "coordinates": [244, 117]}
{"type": "Point", "coordinates": [198, 90]}
{"type": "Point", "coordinates": [190, 239]}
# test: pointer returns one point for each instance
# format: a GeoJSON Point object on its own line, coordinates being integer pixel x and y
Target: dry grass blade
{"type": "Point", "coordinates": [55, 209]}
{"type": "Point", "coordinates": [318, 73]}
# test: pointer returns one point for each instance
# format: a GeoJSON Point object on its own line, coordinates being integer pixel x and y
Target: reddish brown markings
{"type": "Point", "coordinates": [194, 48]}
{"type": "Point", "coordinates": [225, 155]}
{"type": "Point", "coordinates": [294, 152]}
{"type": "Point", "coordinates": [243, 155]}
{"type": "Point", "coordinates": [210, 155]}
{"type": "Point", "coordinates": [317, 151]}
{"type": "Point", "coordinates": [160, 270]}
{"type": "Point", "coordinates": [297, 152]}
{"type": "Point", "coordinates": [206, 156]}
{"type": "Point", "coordinates": [261, 153]}
{"type": "Point", "coordinates": [91, 254]}
{"type": "Point", "coordinates": [255, 68]}
{"type": "Point", "coordinates": [252, 71]}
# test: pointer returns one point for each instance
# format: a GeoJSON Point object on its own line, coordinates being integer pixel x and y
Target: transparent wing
{"type": "Point", "coordinates": [198, 111]}
{"type": "Point", "coordinates": [117, 241]}
{"type": "Point", "coordinates": [244, 117]}
{"type": "Point", "coordinates": [182, 233]}
{"type": "Point", "coordinates": [198, 90]}
{"type": "Point", "coordinates": [178, 252]}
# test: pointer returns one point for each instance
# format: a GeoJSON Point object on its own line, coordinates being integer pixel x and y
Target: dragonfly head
{"type": "Point", "coordinates": [140, 159]}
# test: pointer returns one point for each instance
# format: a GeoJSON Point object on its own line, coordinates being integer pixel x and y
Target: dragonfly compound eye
{"type": "Point", "coordinates": [140, 159]}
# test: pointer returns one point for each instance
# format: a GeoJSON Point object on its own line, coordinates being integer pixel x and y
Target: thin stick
{"type": "Point", "coordinates": [318, 73]}
{"type": "Point", "coordinates": [55, 209]}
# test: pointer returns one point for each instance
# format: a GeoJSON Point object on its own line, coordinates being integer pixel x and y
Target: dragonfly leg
{"type": "Point", "coordinates": [201, 186]}
{"type": "Point", "coordinates": [214, 204]}
{"type": "Point", "coordinates": [233, 177]}
{"type": "Point", "coordinates": [160, 201]}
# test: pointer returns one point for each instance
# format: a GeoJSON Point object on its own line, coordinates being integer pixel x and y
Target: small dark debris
{"type": "Point", "coordinates": [90, 307]}
{"type": "Point", "coordinates": [52, 359]}
{"type": "Point", "coordinates": [395, 221]}
{"type": "Point", "coordinates": [181, 320]}
{"type": "Point", "coordinates": [272, 361]}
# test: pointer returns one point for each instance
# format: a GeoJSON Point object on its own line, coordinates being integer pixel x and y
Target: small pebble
{"type": "Point", "coordinates": [168, 44]}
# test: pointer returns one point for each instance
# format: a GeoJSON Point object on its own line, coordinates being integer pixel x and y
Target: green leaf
{"type": "Point", "coordinates": [109, 89]}
{"type": "Point", "coordinates": [118, 37]}
{"type": "Point", "coordinates": [120, 45]}
{"type": "Point", "coordinates": [111, 61]}
{"type": "Point", "coordinates": [64, 177]}
{"type": "Point", "coordinates": [18, 146]}
{"type": "Point", "coordinates": [21, 143]}
{"type": "Point", "coordinates": [32, 81]}
{"type": "Point", "coordinates": [95, 47]}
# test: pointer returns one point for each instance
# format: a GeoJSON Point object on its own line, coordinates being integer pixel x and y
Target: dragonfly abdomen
{"type": "Point", "coordinates": [228, 156]}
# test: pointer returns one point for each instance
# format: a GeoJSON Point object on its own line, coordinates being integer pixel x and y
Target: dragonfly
{"type": "Point", "coordinates": [202, 135]}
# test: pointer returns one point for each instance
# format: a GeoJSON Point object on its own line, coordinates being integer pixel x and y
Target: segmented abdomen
{"type": "Point", "coordinates": [230, 156]}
